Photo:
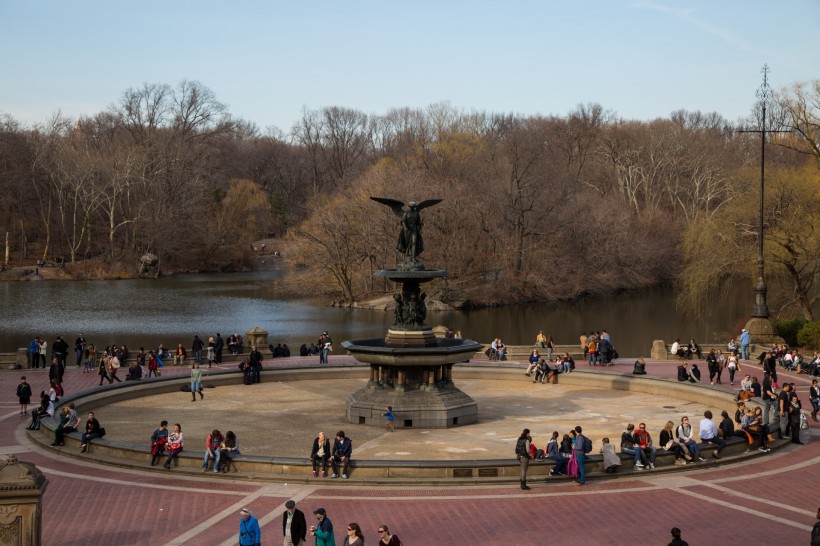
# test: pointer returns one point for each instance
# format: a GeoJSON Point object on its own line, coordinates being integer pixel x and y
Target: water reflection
{"type": "Point", "coordinates": [149, 311]}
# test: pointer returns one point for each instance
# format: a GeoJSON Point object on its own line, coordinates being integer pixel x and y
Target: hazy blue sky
{"type": "Point", "coordinates": [268, 60]}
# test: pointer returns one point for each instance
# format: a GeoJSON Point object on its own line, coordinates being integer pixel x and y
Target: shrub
{"type": "Point", "coordinates": [809, 336]}
{"type": "Point", "coordinates": [788, 328]}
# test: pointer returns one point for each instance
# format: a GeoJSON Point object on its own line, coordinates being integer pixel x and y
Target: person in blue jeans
{"type": "Point", "coordinates": [686, 436]}
{"type": "Point", "coordinates": [745, 341]}
{"type": "Point", "coordinates": [580, 455]}
{"type": "Point", "coordinates": [560, 466]}
{"type": "Point", "coordinates": [628, 447]}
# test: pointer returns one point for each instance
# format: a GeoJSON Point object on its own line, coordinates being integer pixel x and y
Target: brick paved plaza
{"type": "Point", "coordinates": [766, 500]}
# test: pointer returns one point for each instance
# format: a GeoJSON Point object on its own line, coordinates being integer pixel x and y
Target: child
{"type": "Point", "coordinates": [390, 426]}
{"type": "Point", "coordinates": [611, 460]}
{"type": "Point", "coordinates": [24, 394]}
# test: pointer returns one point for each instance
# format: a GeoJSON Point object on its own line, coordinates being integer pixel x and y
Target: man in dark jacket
{"type": "Point", "coordinates": [342, 450]}
{"type": "Point", "coordinates": [60, 349]}
{"type": "Point", "coordinates": [255, 359]}
{"type": "Point", "coordinates": [56, 371]}
{"type": "Point", "coordinates": [196, 348]}
{"type": "Point", "coordinates": [220, 344]}
{"type": "Point", "coordinates": [294, 526]}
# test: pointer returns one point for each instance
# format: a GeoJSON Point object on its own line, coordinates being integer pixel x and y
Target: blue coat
{"type": "Point", "coordinates": [249, 533]}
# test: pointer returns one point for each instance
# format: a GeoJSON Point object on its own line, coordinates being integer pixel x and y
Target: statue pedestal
{"type": "Point", "coordinates": [425, 407]}
{"type": "Point", "coordinates": [762, 332]}
{"type": "Point", "coordinates": [417, 380]}
{"type": "Point", "coordinates": [21, 488]}
{"type": "Point", "coordinates": [413, 338]}
{"type": "Point", "coordinates": [256, 337]}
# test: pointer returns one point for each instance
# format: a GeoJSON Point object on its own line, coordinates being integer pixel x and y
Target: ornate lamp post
{"type": "Point", "coordinates": [764, 94]}
{"type": "Point", "coordinates": [760, 327]}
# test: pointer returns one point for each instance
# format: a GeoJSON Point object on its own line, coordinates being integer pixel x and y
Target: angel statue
{"type": "Point", "coordinates": [410, 241]}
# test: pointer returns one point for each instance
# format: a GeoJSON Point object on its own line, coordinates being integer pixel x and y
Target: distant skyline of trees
{"type": "Point", "coordinates": [536, 207]}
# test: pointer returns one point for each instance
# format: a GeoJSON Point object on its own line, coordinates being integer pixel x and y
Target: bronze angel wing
{"type": "Point", "coordinates": [428, 203]}
{"type": "Point", "coordinates": [395, 205]}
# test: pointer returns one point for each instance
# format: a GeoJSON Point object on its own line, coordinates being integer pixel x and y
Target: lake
{"type": "Point", "coordinates": [145, 312]}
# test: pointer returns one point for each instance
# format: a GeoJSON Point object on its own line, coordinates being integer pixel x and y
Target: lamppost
{"type": "Point", "coordinates": [759, 326]}
{"type": "Point", "coordinates": [764, 94]}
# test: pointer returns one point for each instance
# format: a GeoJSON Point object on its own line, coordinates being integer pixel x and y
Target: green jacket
{"type": "Point", "coordinates": [324, 534]}
{"type": "Point", "coordinates": [196, 374]}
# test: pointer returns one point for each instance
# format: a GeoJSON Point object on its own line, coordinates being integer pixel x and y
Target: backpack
{"type": "Point", "coordinates": [587, 445]}
{"type": "Point", "coordinates": [521, 448]}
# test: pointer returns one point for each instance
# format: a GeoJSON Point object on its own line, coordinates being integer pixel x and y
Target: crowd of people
{"type": "Point", "coordinates": [295, 530]}
{"type": "Point", "coordinates": [568, 452]}
{"type": "Point", "coordinates": [780, 355]}
{"type": "Point", "coordinates": [598, 348]}
{"type": "Point", "coordinates": [219, 450]}
{"type": "Point", "coordinates": [546, 370]}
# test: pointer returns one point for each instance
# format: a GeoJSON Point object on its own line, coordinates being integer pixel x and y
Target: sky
{"type": "Point", "coordinates": [268, 61]}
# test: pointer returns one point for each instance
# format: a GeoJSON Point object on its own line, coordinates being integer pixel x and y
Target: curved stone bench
{"type": "Point", "coordinates": [120, 453]}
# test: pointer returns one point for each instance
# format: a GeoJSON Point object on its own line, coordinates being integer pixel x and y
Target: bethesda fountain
{"type": "Point", "coordinates": [410, 368]}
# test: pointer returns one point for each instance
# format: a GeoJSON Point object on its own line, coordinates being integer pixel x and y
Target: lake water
{"type": "Point", "coordinates": [146, 312]}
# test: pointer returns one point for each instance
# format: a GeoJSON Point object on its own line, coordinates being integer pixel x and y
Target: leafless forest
{"type": "Point", "coordinates": [535, 207]}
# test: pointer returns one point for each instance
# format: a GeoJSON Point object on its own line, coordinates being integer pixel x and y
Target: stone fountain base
{"type": "Point", "coordinates": [436, 407]}
{"type": "Point", "coordinates": [415, 376]}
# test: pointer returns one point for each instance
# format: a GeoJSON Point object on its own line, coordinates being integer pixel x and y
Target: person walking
{"type": "Point", "coordinates": [388, 539]}
{"type": "Point", "coordinates": [522, 452]}
{"type": "Point", "coordinates": [113, 366]}
{"type": "Point", "coordinates": [196, 382]}
{"type": "Point", "coordinates": [323, 530]}
{"type": "Point", "coordinates": [814, 398]}
{"type": "Point", "coordinates": [249, 532]}
{"type": "Point", "coordinates": [294, 526]}
{"type": "Point", "coordinates": [354, 535]}
{"type": "Point", "coordinates": [102, 369]}
{"type": "Point", "coordinates": [391, 427]}
{"type": "Point", "coordinates": [676, 539]}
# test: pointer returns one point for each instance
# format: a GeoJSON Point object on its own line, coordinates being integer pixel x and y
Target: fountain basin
{"type": "Point", "coordinates": [378, 351]}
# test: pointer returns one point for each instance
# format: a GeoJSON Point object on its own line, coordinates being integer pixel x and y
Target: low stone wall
{"type": "Point", "coordinates": [450, 471]}
{"type": "Point", "coordinates": [523, 352]}
{"type": "Point", "coordinates": [661, 350]}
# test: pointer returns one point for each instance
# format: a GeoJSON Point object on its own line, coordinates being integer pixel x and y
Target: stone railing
{"type": "Point", "coordinates": [386, 471]}
{"type": "Point", "coordinates": [661, 350]}
{"type": "Point", "coordinates": [522, 352]}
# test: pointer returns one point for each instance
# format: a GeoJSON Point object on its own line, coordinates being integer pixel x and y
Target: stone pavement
{"type": "Point", "coordinates": [767, 500]}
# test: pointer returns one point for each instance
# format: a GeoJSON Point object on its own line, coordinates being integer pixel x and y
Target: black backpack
{"type": "Point", "coordinates": [521, 447]}
{"type": "Point", "coordinates": [587, 445]}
